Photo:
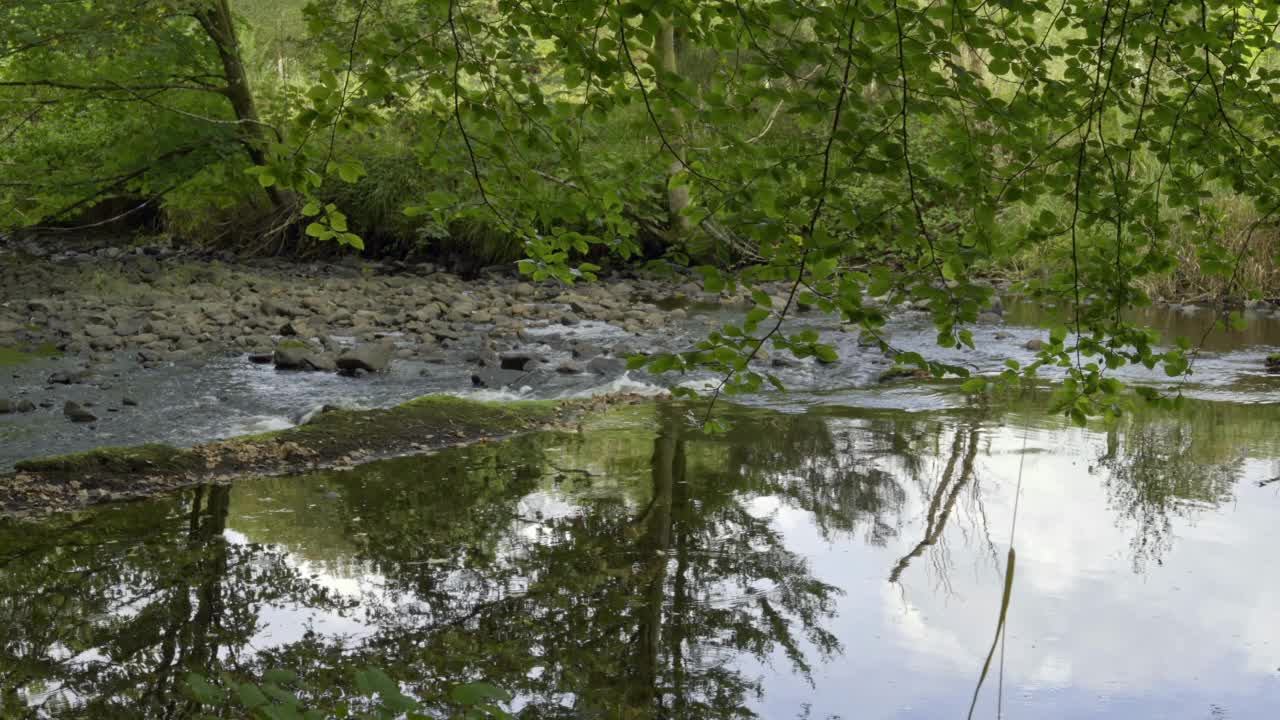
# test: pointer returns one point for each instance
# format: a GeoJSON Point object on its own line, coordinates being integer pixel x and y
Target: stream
{"type": "Point", "coordinates": [839, 552]}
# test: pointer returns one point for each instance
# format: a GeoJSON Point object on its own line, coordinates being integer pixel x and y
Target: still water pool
{"type": "Point", "coordinates": [835, 563]}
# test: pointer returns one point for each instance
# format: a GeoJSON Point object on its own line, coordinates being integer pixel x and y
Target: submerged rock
{"type": "Point", "coordinates": [76, 413]}
{"type": "Point", "coordinates": [1273, 362]}
{"type": "Point", "coordinates": [68, 377]}
{"type": "Point", "coordinates": [901, 372]}
{"type": "Point", "coordinates": [496, 378]}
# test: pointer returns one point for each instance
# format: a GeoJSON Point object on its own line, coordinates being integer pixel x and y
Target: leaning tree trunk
{"type": "Point", "coordinates": [677, 192]}
{"type": "Point", "coordinates": [216, 20]}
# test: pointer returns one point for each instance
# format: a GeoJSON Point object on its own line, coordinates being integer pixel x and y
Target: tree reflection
{"type": "Point", "coordinates": [957, 475]}
{"type": "Point", "coordinates": [105, 613]}
{"type": "Point", "coordinates": [608, 574]}
{"type": "Point", "coordinates": [632, 604]}
{"type": "Point", "coordinates": [1158, 470]}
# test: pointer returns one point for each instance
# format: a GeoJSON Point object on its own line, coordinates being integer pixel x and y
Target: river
{"type": "Point", "coordinates": [839, 552]}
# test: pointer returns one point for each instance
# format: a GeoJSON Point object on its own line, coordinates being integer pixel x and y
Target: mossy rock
{"type": "Point", "coordinates": [903, 372]}
{"type": "Point", "coordinates": [111, 461]}
{"type": "Point", "coordinates": [1273, 362]}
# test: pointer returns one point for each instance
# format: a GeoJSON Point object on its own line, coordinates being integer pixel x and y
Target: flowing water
{"type": "Point", "coordinates": [183, 404]}
{"type": "Point", "coordinates": [840, 552]}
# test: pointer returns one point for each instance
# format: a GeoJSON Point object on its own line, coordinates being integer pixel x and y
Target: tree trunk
{"type": "Point", "coordinates": [677, 194]}
{"type": "Point", "coordinates": [216, 19]}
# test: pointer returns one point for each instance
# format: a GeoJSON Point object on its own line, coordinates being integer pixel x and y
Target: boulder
{"type": "Point", "coordinates": [519, 361]}
{"type": "Point", "coordinates": [76, 413]}
{"type": "Point", "coordinates": [24, 406]}
{"type": "Point", "coordinates": [1034, 344]}
{"type": "Point", "coordinates": [261, 358]}
{"type": "Point", "coordinates": [370, 357]}
{"type": "Point", "coordinates": [1273, 362]}
{"type": "Point", "coordinates": [496, 378]}
{"type": "Point", "coordinates": [6, 406]}
{"type": "Point", "coordinates": [68, 377]}
{"type": "Point", "coordinates": [606, 365]}
{"type": "Point", "coordinates": [302, 358]}
{"type": "Point", "coordinates": [296, 328]}
{"type": "Point", "coordinates": [569, 367]}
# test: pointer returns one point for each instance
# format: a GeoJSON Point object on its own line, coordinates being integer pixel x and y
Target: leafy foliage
{"type": "Point", "coordinates": [846, 149]}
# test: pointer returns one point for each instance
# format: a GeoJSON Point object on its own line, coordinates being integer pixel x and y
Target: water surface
{"type": "Point", "coordinates": [833, 563]}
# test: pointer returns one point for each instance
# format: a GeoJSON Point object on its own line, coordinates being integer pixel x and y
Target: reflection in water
{"type": "Point", "coordinates": [638, 569]}
{"type": "Point", "coordinates": [943, 499]}
{"type": "Point", "coordinates": [105, 613]}
{"type": "Point", "coordinates": [1166, 468]}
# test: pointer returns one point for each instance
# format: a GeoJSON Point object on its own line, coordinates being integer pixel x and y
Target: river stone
{"type": "Point", "coordinates": [569, 367]}
{"type": "Point", "coordinates": [8, 327]}
{"type": "Point", "coordinates": [98, 331]}
{"type": "Point", "coordinates": [496, 378]}
{"type": "Point", "coordinates": [130, 326]}
{"type": "Point", "coordinates": [271, 308]}
{"type": "Point", "coordinates": [296, 328]}
{"type": "Point", "coordinates": [128, 401]}
{"type": "Point", "coordinates": [606, 365]}
{"type": "Point", "coordinates": [1034, 344]}
{"type": "Point", "coordinates": [370, 357]}
{"type": "Point", "coordinates": [519, 361]}
{"type": "Point", "coordinates": [299, 358]}
{"type": "Point", "coordinates": [586, 351]}
{"type": "Point", "coordinates": [24, 406]}
{"type": "Point", "coordinates": [261, 358]}
{"type": "Point", "coordinates": [76, 413]}
{"type": "Point", "coordinates": [68, 377]}
{"type": "Point", "coordinates": [6, 406]}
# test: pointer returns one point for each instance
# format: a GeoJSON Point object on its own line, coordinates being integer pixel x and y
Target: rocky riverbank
{"type": "Point", "coordinates": [161, 306]}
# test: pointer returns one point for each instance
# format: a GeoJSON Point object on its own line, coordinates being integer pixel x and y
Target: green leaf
{"type": "Point", "coordinates": [250, 696]}
{"type": "Point", "coordinates": [280, 676]}
{"type": "Point", "coordinates": [478, 693]}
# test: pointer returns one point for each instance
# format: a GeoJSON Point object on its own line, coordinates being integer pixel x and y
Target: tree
{"type": "Point", "coordinates": [113, 99]}
{"type": "Point", "coordinates": [861, 153]}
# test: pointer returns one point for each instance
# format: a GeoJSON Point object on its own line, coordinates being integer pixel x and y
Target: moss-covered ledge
{"type": "Point", "coordinates": [335, 438]}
